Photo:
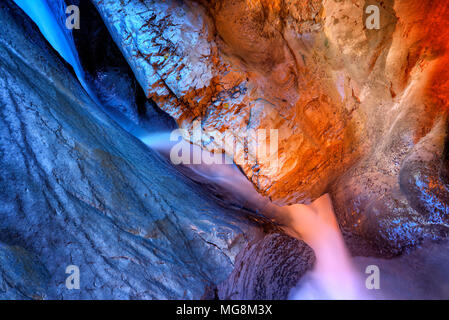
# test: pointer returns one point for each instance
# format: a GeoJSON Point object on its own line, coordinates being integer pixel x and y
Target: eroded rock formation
{"type": "Point", "coordinates": [76, 189]}
{"type": "Point", "coordinates": [360, 113]}
{"type": "Point", "coordinates": [232, 68]}
{"type": "Point", "coordinates": [353, 106]}
{"type": "Point", "coordinates": [394, 195]}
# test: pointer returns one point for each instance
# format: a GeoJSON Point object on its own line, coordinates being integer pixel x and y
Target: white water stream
{"type": "Point", "coordinates": [333, 276]}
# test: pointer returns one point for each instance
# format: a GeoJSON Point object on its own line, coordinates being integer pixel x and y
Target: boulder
{"type": "Point", "coordinates": [236, 67]}
{"type": "Point", "coordinates": [267, 269]}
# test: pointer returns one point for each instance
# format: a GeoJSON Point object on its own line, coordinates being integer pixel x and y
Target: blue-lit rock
{"type": "Point", "coordinates": [424, 176]}
{"type": "Point", "coordinates": [399, 195]}
{"type": "Point", "coordinates": [22, 275]}
{"type": "Point", "coordinates": [111, 77]}
{"type": "Point", "coordinates": [267, 269]}
{"type": "Point", "coordinates": [76, 189]}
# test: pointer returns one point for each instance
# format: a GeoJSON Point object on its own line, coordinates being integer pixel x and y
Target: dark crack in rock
{"type": "Point", "coordinates": [110, 75]}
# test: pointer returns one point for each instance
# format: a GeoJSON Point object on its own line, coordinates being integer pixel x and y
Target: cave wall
{"type": "Point", "coordinates": [228, 66]}
{"type": "Point", "coordinates": [396, 195]}
{"type": "Point", "coordinates": [76, 189]}
{"type": "Point", "coordinates": [356, 109]}
{"type": "Point", "coordinates": [361, 114]}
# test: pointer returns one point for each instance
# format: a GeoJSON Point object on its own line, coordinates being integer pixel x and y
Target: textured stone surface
{"type": "Point", "coordinates": [361, 114]}
{"type": "Point", "coordinates": [267, 269]}
{"type": "Point", "coordinates": [397, 194]}
{"type": "Point", "coordinates": [353, 106]}
{"type": "Point", "coordinates": [23, 276]}
{"type": "Point", "coordinates": [110, 76]}
{"type": "Point", "coordinates": [238, 66]}
{"type": "Point", "coordinates": [424, 176]}
{"type": "Point", "coordinates": [77, 189]}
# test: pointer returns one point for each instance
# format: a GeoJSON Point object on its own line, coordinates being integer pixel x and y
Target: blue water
{"type": "Point", "coordinates": [49, 16]}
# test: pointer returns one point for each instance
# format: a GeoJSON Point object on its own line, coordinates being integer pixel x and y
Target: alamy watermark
{"type": "Point", "coordinates": [373, 18]}
{"type": "Point", "coordinates": [73, 280]}
{"type": "Point", "coordinates": [73, 20]}
{"type": "Point", "coordinates": [373, 280]}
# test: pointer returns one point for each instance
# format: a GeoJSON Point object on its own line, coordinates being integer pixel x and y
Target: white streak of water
{"type": "Point", "coordinates": [333, 276]}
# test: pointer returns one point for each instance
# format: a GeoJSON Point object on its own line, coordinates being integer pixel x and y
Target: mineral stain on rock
{"type": "Point", "coordinates": [351, 104]}
{"type": "Point", "coordinates": [79, 190]}
{"type": "Point", "coordinates": [361, 114]}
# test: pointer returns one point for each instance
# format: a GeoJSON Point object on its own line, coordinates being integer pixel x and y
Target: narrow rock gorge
{"type": "Point", "coordinates": [357, 116]}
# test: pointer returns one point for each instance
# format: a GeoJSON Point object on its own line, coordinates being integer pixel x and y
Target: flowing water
{"type": "Point", "coordinates": [333, 276]}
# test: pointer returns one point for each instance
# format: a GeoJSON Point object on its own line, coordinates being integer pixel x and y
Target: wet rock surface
{"type": "Point", "coordinates": [396, 206]}
{"type": "Point", "coordinates": [227, 66]}
{"type": "Point", "coordinates": [361, 114]}
{"type": "Point", "coordinates": [267, 269]}
{"type": "Point", "coordinates": [394, 196]}
{"type": "Point", "coordinates": [351, 104]}
{"type": "Point", "coordinates": [23, 276]}
{"type": "Point", "coordinates": [110, 76]}
{"type": "Point", "coordinates": [76, 189]}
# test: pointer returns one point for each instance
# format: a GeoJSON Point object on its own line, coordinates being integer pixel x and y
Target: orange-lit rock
{"type": "Point", "coordinates": [241, 65]}
{"type": "Point", "coordinates": [397, 194]}
{"type": "Point", "coordinates": [351, 104]}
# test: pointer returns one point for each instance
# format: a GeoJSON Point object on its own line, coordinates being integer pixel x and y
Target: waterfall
{"type": "Point", "coordinates": [49, 17]}
{"type": "Point", "coordinates": [333, 276]}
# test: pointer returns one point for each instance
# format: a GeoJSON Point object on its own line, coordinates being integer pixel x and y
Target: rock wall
{"type": "Point", "coordinates": [361, 114]}
{"type": "Point", "coordinates": [353, 105]}
{"type": "Point", "coordinates": [396, 195]}
{"type": "Point", "coordinates": [76, 189]}
{"type": "Point", "coordinates": [228, 66]}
